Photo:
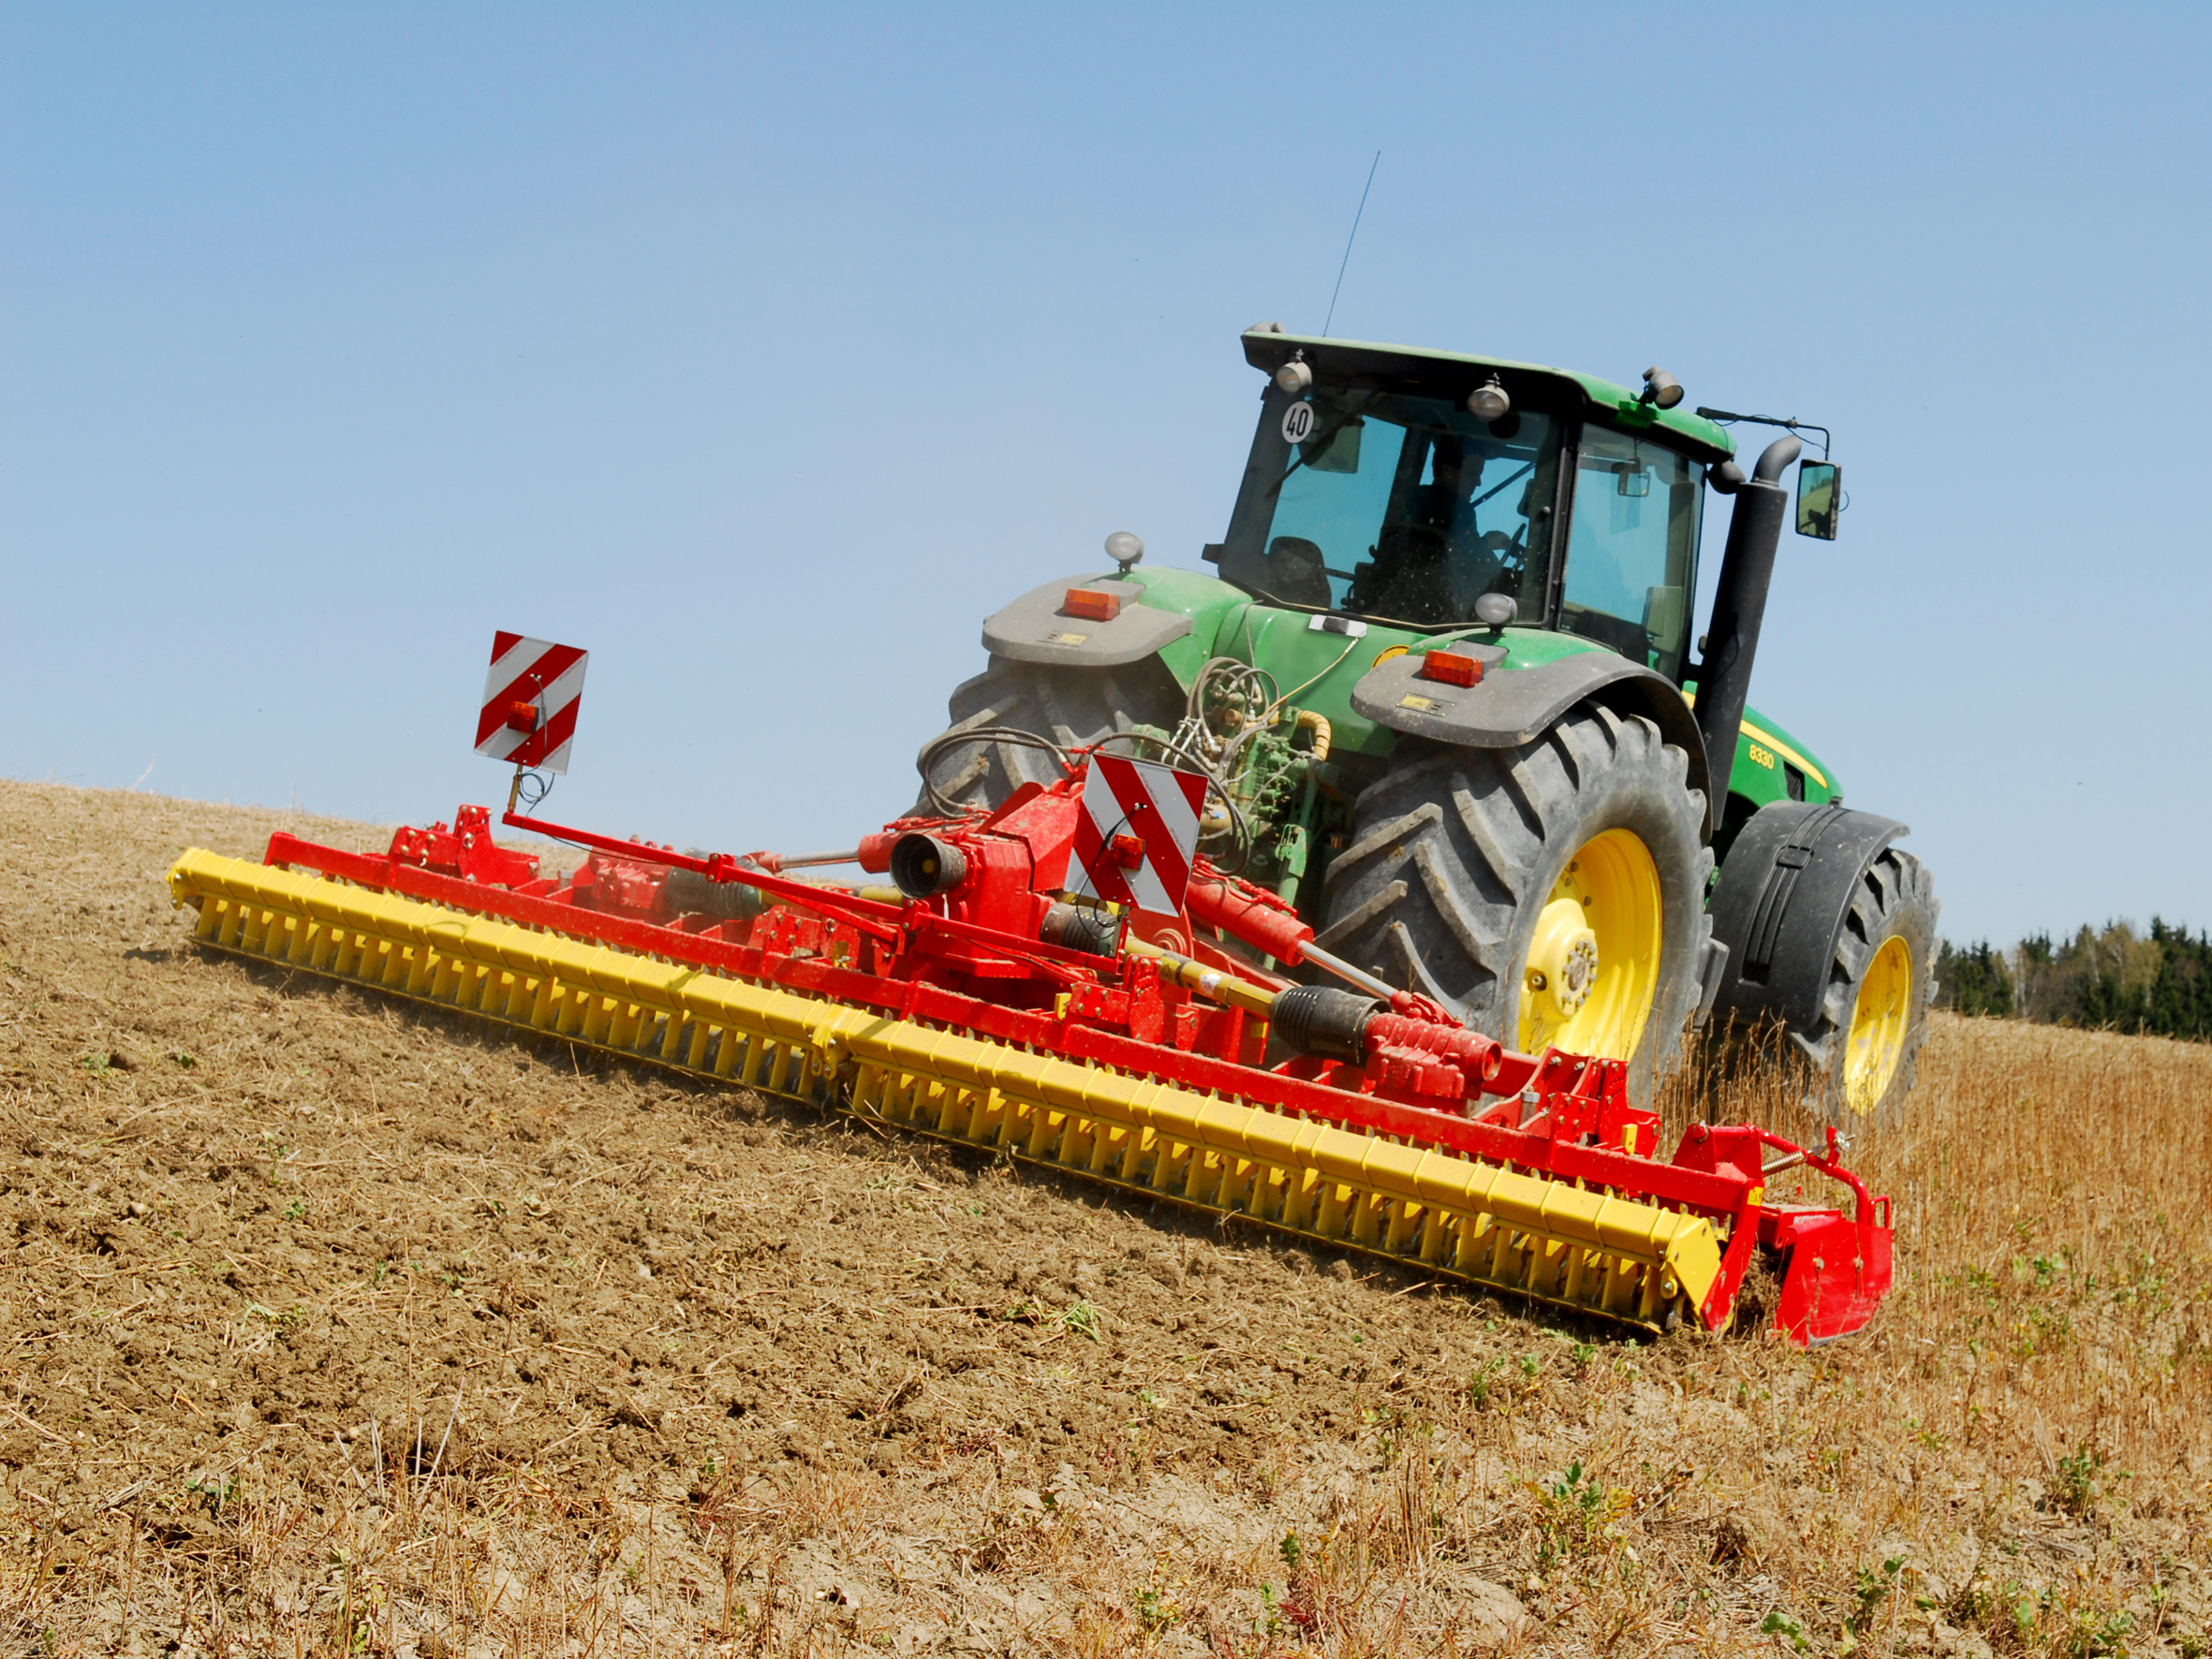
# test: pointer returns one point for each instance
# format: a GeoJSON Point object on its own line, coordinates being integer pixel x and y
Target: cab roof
{"type": "Point", "coordinates": [1268, 349]}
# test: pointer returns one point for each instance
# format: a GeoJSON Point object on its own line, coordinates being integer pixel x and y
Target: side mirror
{"type": "Point", "coordinates": [1819, 495]}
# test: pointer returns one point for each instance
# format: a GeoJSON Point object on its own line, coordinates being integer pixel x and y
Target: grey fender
{"type": "Point", "coordinates": [1512, 707]}
{"type": "Point", "coordinates": [1034, 629]}
{"type": "Point", "coordinates": [1781, 901]}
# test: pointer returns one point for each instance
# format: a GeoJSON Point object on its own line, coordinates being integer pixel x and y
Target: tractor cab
{"type": "Point", "coordinates": [1438, 492]}
{"type": "Point", "coordinates": [1451, 705]}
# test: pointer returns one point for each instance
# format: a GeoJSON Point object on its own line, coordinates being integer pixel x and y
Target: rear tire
{"type": "Point", "coordinates": [1068, 705]}
{"type": "Point", "coordinates": [1458, 855]}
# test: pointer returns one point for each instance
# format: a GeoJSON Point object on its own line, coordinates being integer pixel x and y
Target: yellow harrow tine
{"type": "Point", "coordinates": [1443, 1213]}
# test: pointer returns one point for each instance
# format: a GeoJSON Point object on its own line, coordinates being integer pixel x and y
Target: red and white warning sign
{"type": "Point", "coordinates": [1138, 833]}
{"type": "Point", "coordinates": [530, 698]}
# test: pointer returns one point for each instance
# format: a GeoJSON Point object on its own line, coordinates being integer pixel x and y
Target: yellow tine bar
{"type": "Point", "coordinates": [1449, 1213]}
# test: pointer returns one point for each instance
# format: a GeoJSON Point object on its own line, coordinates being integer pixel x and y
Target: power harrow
{"type": "Point", "coordinates": [1063, 981]}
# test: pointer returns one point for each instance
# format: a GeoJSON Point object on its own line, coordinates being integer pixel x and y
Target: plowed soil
{"type": "Point", "coordinates": [332, 1325]}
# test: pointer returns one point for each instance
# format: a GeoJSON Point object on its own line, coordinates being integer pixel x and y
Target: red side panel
{"type": "Point", "coordinates": [1839, 1271]}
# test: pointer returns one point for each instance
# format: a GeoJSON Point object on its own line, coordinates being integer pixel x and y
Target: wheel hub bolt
{"type": "Point", "coordinates": [1579, 976]}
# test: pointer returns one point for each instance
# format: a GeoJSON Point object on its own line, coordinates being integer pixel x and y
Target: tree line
{"type": "Point", "coordinates": [2158, 983]}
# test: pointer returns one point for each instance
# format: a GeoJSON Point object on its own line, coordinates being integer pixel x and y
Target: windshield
{"type": "Point", "coordinates": [1404, 509]}
{"type": "Point", "coordinates": [1632, 548]}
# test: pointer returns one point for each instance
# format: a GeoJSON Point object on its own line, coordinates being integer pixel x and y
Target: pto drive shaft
{"type": "Point", "coordinates": [1327, 1023]}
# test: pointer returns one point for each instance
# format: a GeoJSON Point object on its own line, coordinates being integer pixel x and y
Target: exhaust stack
{"type": "Point", "coordinates": [1747, 571]}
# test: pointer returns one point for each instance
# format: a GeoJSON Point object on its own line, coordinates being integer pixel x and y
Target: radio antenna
{"type": "Point", "coordinates": [1348, 240]}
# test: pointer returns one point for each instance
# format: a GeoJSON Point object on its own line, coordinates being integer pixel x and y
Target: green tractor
{"type": "Point", "coordinates": [1444, 684]}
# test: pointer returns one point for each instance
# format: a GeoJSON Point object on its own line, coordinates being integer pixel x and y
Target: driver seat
{"type": "Point", "coordinates": [1296, 572]}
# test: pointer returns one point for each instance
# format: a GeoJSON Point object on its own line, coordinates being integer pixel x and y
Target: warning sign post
{"type": "Point", "coordinates": [531, 695]}
{"type": "Point", "coordinates": [1137, 835]}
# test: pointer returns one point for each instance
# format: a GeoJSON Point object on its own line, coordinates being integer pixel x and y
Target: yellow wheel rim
{"type": "Point", "coordinates": [1593, 968]}
{"type": "Point", "coordinates": [1877, 1026]}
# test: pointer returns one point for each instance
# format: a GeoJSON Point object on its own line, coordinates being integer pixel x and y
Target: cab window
{"type": "Point", "coordinates": [1632, 548]}
{"type": "Point", "coordinates": [1404, 509]}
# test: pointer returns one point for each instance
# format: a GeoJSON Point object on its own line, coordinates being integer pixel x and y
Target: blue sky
{"type": "Point", "coordinates": [762, 353]}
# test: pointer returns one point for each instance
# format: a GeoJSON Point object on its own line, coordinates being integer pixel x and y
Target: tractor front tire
{"type": "Point", "coordinates": [1550, 895]}
{"type": "Point", "coordinates": [1831, 938]}
{"type": "Point", "coordinates": [1069, 706]}
{"type": "Point", "coordinates": [1866, 1047]}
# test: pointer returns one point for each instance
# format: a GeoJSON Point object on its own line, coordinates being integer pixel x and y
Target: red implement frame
{"type": "Point", "coordinates": [1555, 1114]}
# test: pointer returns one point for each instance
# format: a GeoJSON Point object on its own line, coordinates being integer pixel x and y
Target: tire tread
{"type": "Point", "coordinates": [1896, 891]}
{"type": "Point", "coordinates": [1481, 828]}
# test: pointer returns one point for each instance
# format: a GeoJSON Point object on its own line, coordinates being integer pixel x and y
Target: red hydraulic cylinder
{"type": "Point", "coordinates": [1248, 912]}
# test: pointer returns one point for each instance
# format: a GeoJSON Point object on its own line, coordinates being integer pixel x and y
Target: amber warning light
{"type": "Point", "coordinates": [1450, 668]}
{"type": "Point", "coordinates": [1091, 604]}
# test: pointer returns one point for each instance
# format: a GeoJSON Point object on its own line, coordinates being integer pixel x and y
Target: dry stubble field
{"type": "Point", "coordinates": [332, 1326]}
